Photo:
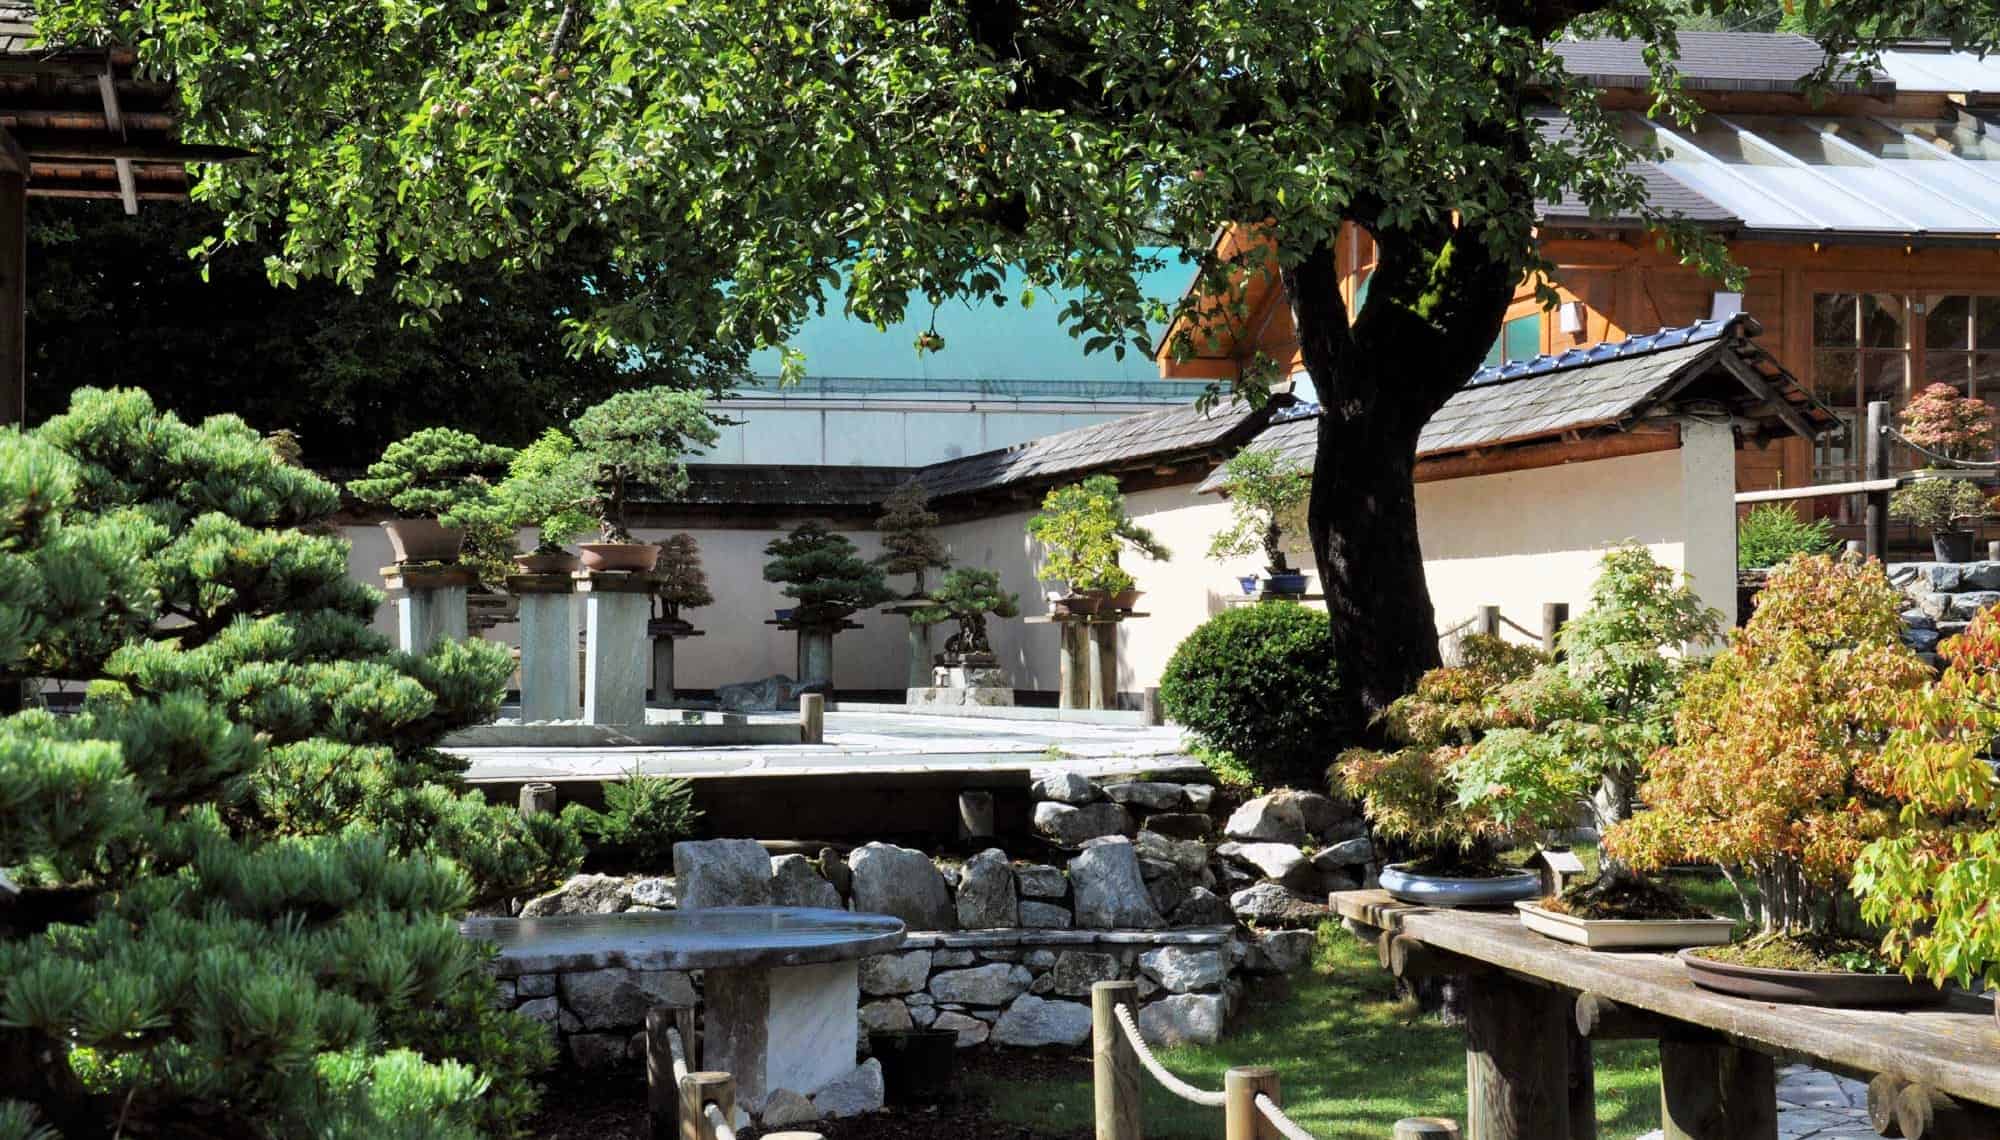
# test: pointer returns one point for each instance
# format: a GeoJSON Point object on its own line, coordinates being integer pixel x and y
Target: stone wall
{"type": "Point", "coordinates": [1944, 596]}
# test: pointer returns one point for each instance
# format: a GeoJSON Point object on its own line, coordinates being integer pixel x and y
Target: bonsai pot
{"type": "Point", "coordinates": [562, 563]}
{"type": "Point", "coordinates": [1248, 582]}
{"type": "Point", "coordinates": [1625, 933]}
{"type": "Point", "coordinates": [1952, 545]}
{"type": "Point", "coordinates": [917, 1064]}
{"type": "Point", "coordinates": [1291, 582]}
{"type": "Point", "coordinates": [1975, 474]}
{"type": "Point", "coordinates": [1126, 599]}
{"type": "Point", "coordinates": [784, 614]}
{"type": "Point", "coordinates": [1086, 602]}
{"type": "Point", "coordinates": [1405, 885]}
{"type": "Point", "coordinates": [638, 556]}
{"type": "Point", "coordinates": [1808, 987]}
{"type": "Point", "coordinates": [423, 540]}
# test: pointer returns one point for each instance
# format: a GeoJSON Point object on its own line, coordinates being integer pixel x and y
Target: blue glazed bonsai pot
{"type": "Point", "coordinates": [1404, 885]}
{"type": "Point", "coordinates": [1248, 582]}
{"type": "Point", "coordinates": [1291, 583]}
{"type": "Point", "coordinates": [783, 615]}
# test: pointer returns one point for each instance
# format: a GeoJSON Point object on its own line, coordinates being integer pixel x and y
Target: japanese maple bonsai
{"type": "Point", "coordinates": [968, 596]}
{"type": "Point", "coordinates": [631, 441]}
{"type": "Point", "coordinates": [679, 582]}
{"type": "Point", "coordinates": [548, 487]}
{"type": "Point", "coordinates": [429, 478]}
{"type": "Point", "coordinates": [1951, 429]}
{"type": "Point", "coordinates": [825, 576]}
{"type": "Point", "coordinates": [1267, 501]}
{"type": "Point", "coordinates": [1083, 528]}
{"type": "Point", "coordinates": [910, 544]}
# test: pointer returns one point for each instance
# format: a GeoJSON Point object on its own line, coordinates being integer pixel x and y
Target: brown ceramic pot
{"type": "Point", "coordinates": [423, 540]}
{"type": "Point", "coordinates": [562, 563]}
{"type": "Point", "coordinates": [638, 556]}
{"type": "Point", "coordinates": [1808, 987]}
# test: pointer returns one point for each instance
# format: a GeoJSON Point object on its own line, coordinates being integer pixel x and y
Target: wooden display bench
{"type": "Point", "coordinates": [1533, 1006]}
{"type": "Point", "coordinates": [1089, 657]}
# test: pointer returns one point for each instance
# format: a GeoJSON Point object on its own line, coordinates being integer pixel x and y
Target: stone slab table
{"type": "Point", "coordinates": [780, 987]}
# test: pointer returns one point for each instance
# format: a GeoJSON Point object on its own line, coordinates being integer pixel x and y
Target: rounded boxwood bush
{"type": "Point", "coordinates": [1259, 683]}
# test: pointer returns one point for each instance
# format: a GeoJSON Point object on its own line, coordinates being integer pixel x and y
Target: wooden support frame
{"type": "Point", "coordinates": [1516, 1072]}
{"type": "Point", "coordinates": [1710, 1090]}
{"type": "Point", "coordinates": [114, 120]}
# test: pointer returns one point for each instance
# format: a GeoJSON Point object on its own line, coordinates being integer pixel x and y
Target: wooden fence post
{"type": "Point", "coordinates": [1240, 1118]}
{"type": "Point", "coordinates": [1516, 1081]}
{"type": "Point", "coordinates": [698, 1090]}
{"type": "Point", "coordinates": [1555, 615]}
{"type": "Point", "coordinates": [1114, 1063]}
{"type": "Point", "coordinates": [1875, 459]}
{"type": "Point", "coordinates": [1489, 621]}
{"type": "Point", "coordinates": [538, 798]}
{"type": "Point", "coordinates": [1711, 1090]}
{"type": "Point", "coordinates": [812, 718]}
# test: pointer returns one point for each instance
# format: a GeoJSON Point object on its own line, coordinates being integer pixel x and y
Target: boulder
{"type": "Point", "coordinates": [1076, 971]}
{"type": "Point", "coordinates": [1183, 1019]}
{"type": "Point", "coordinates": [616, 998]}
{"type": "Point", "coordinates": [854, 1094]}
{"type": "Point", "coordinates": [1110, 892]}
{"type": "Point", "coordinates": [1045, 916]}
{"type": "Point", "coordinates": [888, 974]}
{"type": "Point", "coordinates": [549, 1012]}
{"type": "Point", "coordinates": [1965, 607]}
{"type": "Point", "coordinates": [1269, 904]}
{"type": "Point", "coordinates": [1062, 786]}
{"type": "Point", "coordinates": [1346, 853]}
{"type": "Point", "coordinates": [1181, 825]}
{"type": "Point", "coordinates": [1032, 1022]}
{"type": "Point", "coordinates": [1979, 575]}
{"type": "Point", "coordinates": [1280, 862]}
{"type": "Point", "coordinates": [1182, 969]}
{"type": "Point", "coordinates": [582, 894]}
{"type": "Point", "coordinates": [657, 892]}
{"type": "Point", "coordinates": [722, 872]}
{"type": "Point", "coordinates": [971, 1030]}
{"type": "Point", "coordinates": [1280, 951]}
{"type": "Point", "coordinates": [1286, 816]}
{"type": "Point", "coordinates": [1203, 907]}
{"type": "Point", "coordinates": [996, 983]}
{"type": "Point", "coordinates": [986, 897]}
{"type": "Point", "coordinates": [784, 1106]}
{"type": "Point", "coordinates": [903, 883]}
{"type": "Point", "coordinates": [1072, 826]}
{"type": "Point", "coordinates": [1041, 881]}
{"type": "Point", "coordinates": [1147, 794]}
{"type": "Point", "coordinates": [1168, 890]}
{"type": "Point", "coordinates": [1187, 854]}
{"type": "Point", "coordinates": [535, 985]}
{"type": "Point", "coordinates": [884, 1015]}
{"type": "Point", "coordinates": [796, 882]}
{"type": "Point", "coordinates": [767, 695]}
{"type": "Point", "coordinates": [835, 869]}
{"type": "Point", "coordinates": [1200, 797]}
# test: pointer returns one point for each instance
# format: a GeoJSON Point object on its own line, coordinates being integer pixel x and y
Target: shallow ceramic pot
{"type": "Point", "coordinates": [1290, 582]}
{"type": "Point", "coordinates": [563, 563]}
{"type": "Point", "coordinates": [1126, 599]}
{"type": "Point", "coordinates": [1407, 886]}
{"type": "Point", "coordinates": [1808, 987]}
{"type": "Point", "coordinates": [423, 540]}
{"type": "Point", "coordinates": [1625, 933]}
{"type": "Point", "coordinates": [1248, 582]}
{"type": "Point", "coordinates": [783, 615]}
{"type": "Point", "coordinates": [638, 556]}
{"type": "Point", "coordinates": [1083, 603]}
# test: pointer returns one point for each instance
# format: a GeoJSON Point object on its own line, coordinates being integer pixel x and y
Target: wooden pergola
{"type": "Point", "coordinates": [74, 123]}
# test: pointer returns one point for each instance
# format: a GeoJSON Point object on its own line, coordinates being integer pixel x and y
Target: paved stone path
{"type": "Point", "coordinates": [1814, 1105]}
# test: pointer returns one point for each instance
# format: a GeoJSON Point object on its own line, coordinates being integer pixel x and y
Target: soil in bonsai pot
{"type": "Point", "coordinates": [1461, 865]}
{"type": "Point", "coordinates": [1625, 896]}
{"type": "Point", "coordinates": [1813, 954]}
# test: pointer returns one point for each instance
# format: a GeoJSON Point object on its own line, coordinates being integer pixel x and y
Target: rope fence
{"type": "Point", "coordinates": [1170, 1082]}
{"type": "Point", "coordinates": [1285, 1125]}
{"type": "Point", "coordinates": [1489, 621]}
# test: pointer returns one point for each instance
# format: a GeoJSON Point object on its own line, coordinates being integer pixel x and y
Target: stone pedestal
{"type": "Point", "coordinates": [616, 608]}
{"type": "Point", "coordinates": [920, 655]}
{"type": "Point", "coordinates": [664, 632]}
{"type": "Point", "coordinates": [974, 681]}
{"type": "Point", "coordinates": [429, 602]}
{"type": "Point", "coordinates": [815, 655]}
{"type": "Point", "coordinates": [792, 1027]}
{"type": "Point", "coordinates": [548, 645]}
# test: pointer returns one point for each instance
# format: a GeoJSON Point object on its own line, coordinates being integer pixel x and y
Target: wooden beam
{"type": "Point", "coordinates": [114, 121]}
{"type": "Point", "coordinates": [93, 147]}
{"type": "Point", "coordinates": [1762, 389]}
{"type": "Point", "coordinates": [1714, 1091]}
{"type": "Point", "coordinates": [1551, 453]}
{"type": "Point", "coordinates": [1516, 1072]}
{"type": "Point", "coordinates": [1601, 1019]}
{"type": "Point", "coordinates": [1923, 1113]}
{"type": "Point", "coordinates": [13, 295]}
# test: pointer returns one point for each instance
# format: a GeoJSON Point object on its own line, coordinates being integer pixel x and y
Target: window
{"type": "Point", "coordinates": [1962, 344]}
{"type": "Point", "coordinates": [1520, 339]}
{"type": "Point", "coordinates": [1861, 353]}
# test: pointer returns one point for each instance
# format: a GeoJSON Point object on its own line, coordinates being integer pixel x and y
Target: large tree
{"type": "Point", "coordinates": [908, 150]}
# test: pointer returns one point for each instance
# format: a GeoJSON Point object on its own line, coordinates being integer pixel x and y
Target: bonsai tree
{"type": "Point", "coordinates": [1773, 532]}
{"type": "Point", "coordinates": [678, 580]}
{"type": "Point", "coordinates": [1953, 428]}
{"type": "Point", "coordinates": [638, 439]}
{"type": "Point", "coordinates": [1777, 772]}
{"type": "Point", "coordinates": [548, 487]}
{"type": "Point", "coordinates": [435, 473]}
{"type": "Point", "coordinates": [968, 596]}
{"type": "Point", "coordinates": [823, 572]}
{"type": "Point", "coordinates": [1267, 501]}
{"type": "Point", "coordinates": [909, 545]}
{"type": "Point", "coordinates": [1943, 506]}
{"type": "Point", "coordinates": [1082, 528]}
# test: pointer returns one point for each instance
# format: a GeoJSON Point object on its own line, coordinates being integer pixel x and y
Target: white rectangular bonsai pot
{"type": "Point", "coordinates": [1625, 933]}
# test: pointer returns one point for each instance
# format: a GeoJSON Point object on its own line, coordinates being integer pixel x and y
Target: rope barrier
{"type": "Point", "coordinates": [723, 1129]}
{"type": "Point", "coordinates": [1284, 1124]}
{"type": "Point", "coordinates": [1518, 627]}
{"type": "Point", "coordinates": [1979, 464]}
{"type": "Point", "coordinates": [1172, 1083]}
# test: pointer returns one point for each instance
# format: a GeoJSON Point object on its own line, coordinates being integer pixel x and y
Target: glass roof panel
{"type": "Point", "coordinates": [1964, 140]}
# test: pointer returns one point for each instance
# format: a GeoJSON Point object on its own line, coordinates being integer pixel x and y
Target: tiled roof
{"type": "Point", "coordinates": [801, 485]}
{"type": "Point", "coordinates": [1664, 192]}
{"type": "Point", "coordinates": [1726, 61]}
{"type": "Point", "coordinates": [17, 26]}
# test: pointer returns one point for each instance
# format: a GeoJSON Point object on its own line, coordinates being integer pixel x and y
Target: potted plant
{"type": "Point", "coordinates": [1950, 429]}
{"type": "Point", "coordinates": [1083, 528]}
{"type": "Point", "coordinates": [548, 487]}
{"type": "Point", "coordinates": [1267, 500]}
{"type": "Point", "coordinates": [1777, 775]}
{"type": "Point", "coordinates": [632, 440]}
{"type": "Point", "coordinates": [909, 543]}
{"type": "Point", "coordinates": [679, 582]}
{"type": "Point", "coordinates": [1943, 506]}
{"type": "Point", "coordinates": [825, 576]}
{"type": "Point", "coordinates": [968, 596]}
{"type": "Point", "coordinates": [427, 478]}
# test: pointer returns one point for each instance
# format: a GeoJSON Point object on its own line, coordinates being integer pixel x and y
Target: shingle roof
{"type": "Point", "coordinates": [1726, 61]}
{"type": "Point", "coordinates": [17, 26]}
{"type": "Point", "coordinates": [802, 485]}
{"type": "Point", "coordinates": [1664, 192]}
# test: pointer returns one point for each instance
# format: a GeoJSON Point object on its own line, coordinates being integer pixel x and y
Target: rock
{"type": "Point", "coordinates": [722, 872]}
{"type": "Point", "coordinates": [1181, 969]}
{"type": "Point", "coordinates": [1040, 959]}
{"type": "Point", "coordinates": [654, 892]}
{"type": "Point", "coordinates": [504, 994]}
{"type": "Point", "coordinates": [1045, 916]}
{"type": "Point", "coordinates": [1076, 971]}
{"type": "Point", "coordinates": [854, 1094]}
{"type": "Point", "coordinates": [1268, 904]}
{"type": "Point", "coordinates": [1181, 825]}
{"type": "Point", "coordinates": [1280, 951]}
{"type": "Point", "coordinates": [1033, 1021]}
{"type": "Point", "coordinates": [1110, 893]}
{"type": "Point", "coordinates": [971, 1030]}
{"type": "Point", "coordinates": [1167, 891]}
{"type": "Point", "coordinates": [1965, 607]}
{"type": "Point", "coordinates": [549, 1012]}
{"type": "Point", "coordinates": [1187, 854]}
{"type": "Point", "coordinates": [884, 1015]}
{"type": "Point", "coordinates": [986, 892]}
{"type": "Point", "coordinates": [835, 869]}
{"type": "Point", "coordinates": [1072, 826]}
{"type": "Point", "coordinates": [946, 959]}
{"type": "Point", "coordinates": [1918, 619]}
{"type": "Point", "coordinates": [1346, 853]}
{"type": "Point", "coordinates": [536, 985]}
{"type": "Point", "coordinates": [597, 1050]}
{"type": "Point", "coordinates": [890, 974]}
{"type": "Point", "coordinates": [582, 894]}
{"type": "Point", "coordinates": [1921, 640]}
{"type": "Point", "coordinates": [1146, 794]}
{"type": "Point", "coordinates": [1979, 575]}
{"type": "Point", "coordinates": [1041, 881]}
{"type": "Point", "coordinates": [768, 695]}
{"type": "Point", "coordinates": [1200, 797]}
{"type": "Point", "coordinates": [921, 1016]}
{"type": "Point", "coordinates": [1286, 816]}
{"type": "Point", "coordinates": [1940, 576]}
{"type": "Point", "coordinates": [784, 1106]}
{"type": "Point", "coordinates": [1280, 862]}
{"type": "Point", "coordinates": [919, 999]}
{"type": "Point", "coordinates": [1183, 1019]}
{"type": "Point", "coordinates": [903, 883]}
{"type": "Point", "coordinates": [1203, 908]}
{"type": "Point", "coordinates": [617, 998]}
{"type": "Point", "coordinates": [796, 882]}
{"type": "Point", "coordinates": [995, 984]}
{"type": "Point", "coordinates": [1064, 787]}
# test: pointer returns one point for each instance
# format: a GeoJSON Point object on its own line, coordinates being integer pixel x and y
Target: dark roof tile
{"type": "Point", "coordinates": [1734, 61]}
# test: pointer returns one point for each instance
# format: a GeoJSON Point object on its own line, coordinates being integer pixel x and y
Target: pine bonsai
{"type": "Point", "coordinates": [968, 596]}
{"type": "Point", "coordinates": [434, 473]}
{"type": "Point", "coordinates": [909, 545]}
{"type": "Point", "coordinates": [1082, 528]}
{"type": "Point", "coordinates": [548, 487]}
{"type": "Point", "coordinates": [825, 574]}
{"type": "Point", "coordinates": [637, 439]}
{"type": "Point", "coordinates": [678, 579]}
{"type": "Point", "coordinates": [238, 864]}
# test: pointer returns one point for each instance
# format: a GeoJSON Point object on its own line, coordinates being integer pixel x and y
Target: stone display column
{"type": "Point", "coordinates": [787, 1028]}
{"type": "Point", "coordinates": [430, 603]}
{"type": "Point", "coordinates": [617, 605]}
{"type": "Point", "coordinates": [664, 632]}
{"type": "Point", "coordinates": [548, 645]}
{"type": "Point", "coordinates": [814, 661]}
{"type": "Point", "coordinates": [919, 674]}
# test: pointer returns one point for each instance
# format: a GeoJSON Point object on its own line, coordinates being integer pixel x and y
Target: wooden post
{"type": "Point", "coordinates": [1882, 1093]}
{"type": "Point", "coordinates": [812, 718]}
{"type": "Point", "coordinates": [1582, 1084]}
{"type": "Point", "coordinates": [698, 1090]}
{"type": "Point", "coordinates": [1489, 621]}
{"type": "Point", "coordinates": [1149, 703]}
{"type": "Point", "coordinates": [1923, 1113]}
{"type": "Point", "coordinates": [1711, 1090]}
{"type": "Point", "coordinates": [13, 288]}
{"type": "Point", "coordinates": [1115, 1072]}
{"type": "Point", "coordinates": [1875, 458]}
{"type": "Point", "coordinates": [1074, 637]}
{"type": "Point", "coordinates": [1426, 1128]}
{"type": "Point", "coordinates": [538, 798]}
{"type": "Point", "coordinates": [663, 1094]}
{"type": "Point", "coordinates": [1103, 651]}
{"type": "Point", "coordinates": [1555, 615]}
{"type": "Point", "coordinates": [1516, 1079]}
{"type": "Point", "coordinates": [1240, 1118]}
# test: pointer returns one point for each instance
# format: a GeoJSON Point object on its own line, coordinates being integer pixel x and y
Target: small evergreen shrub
{"type": "Point", "coordinates": [1770, 534]}
{"type": "Point", "coordinates": [643, 817]}
{"type": "Point", "coordinates": [1258, 683]}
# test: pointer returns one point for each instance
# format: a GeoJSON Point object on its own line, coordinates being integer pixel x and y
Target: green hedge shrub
{"type": "Point", "coordinates": [1259, 683]}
